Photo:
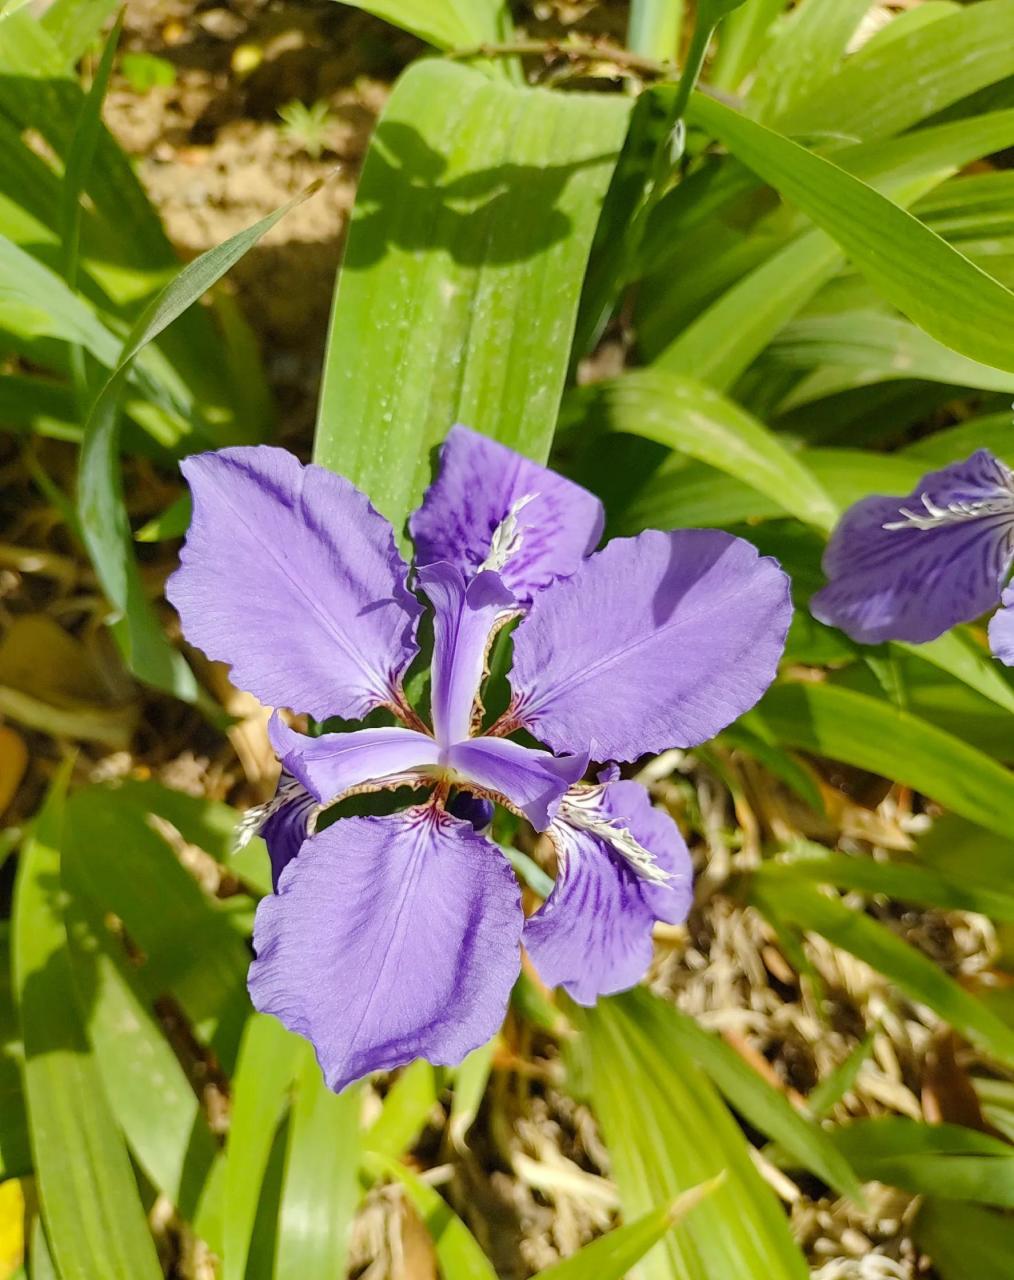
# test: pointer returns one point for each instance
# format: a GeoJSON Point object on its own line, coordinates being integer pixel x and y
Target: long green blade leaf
{"type": "Point", "coordinates": [458, 295]}
{"type": "Point", "coordinates": [870, 734]}
{"type": "Point", "coordinates": [966, 309]}
{"type": "Point", "coordinates": [90, 1204]}
{"type": "Point", "coordinates": [103, 516]}
{"type": "Point", "coordinates": [667, 1131]}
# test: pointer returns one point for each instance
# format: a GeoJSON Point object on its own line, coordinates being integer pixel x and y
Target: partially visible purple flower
{"type": "Point", "coordinates": [911, 568]}
{"type": "Point", "coordinates": [1001, 629]}
{"type": "Point", "coordinates": [394, 937]}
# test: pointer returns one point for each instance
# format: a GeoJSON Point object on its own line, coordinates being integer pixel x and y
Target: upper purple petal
{"type": "Point", "coordinates": [334, 764]}
{"type": "Point", "coordinates": [592, 936]}
{"type": "Point", "coordinates": [1001, 629]}
{"type": "Point", "coordinates": [532, 781]}
{"type": "Point", "coordinates": [478, 483]}
{"type": "Point", "coordinates": [913, 583]}
{"type": "Point", "coordinates": [291, 576]}
{"type": "Point", "coordinates": [465, 613]}
{"type": "Point", "coordinates": [656, 641]}
{"type": "Point", "coordinates": [390, 939]}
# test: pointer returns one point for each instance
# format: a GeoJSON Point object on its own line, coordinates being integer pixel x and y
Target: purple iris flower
{"type": "Point", "coordinates": [395, 937]}
{"type": "Point", "coordinates": [911, 568]}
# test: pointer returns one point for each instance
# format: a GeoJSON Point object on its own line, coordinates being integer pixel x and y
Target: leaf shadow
{"type": "Point", "coordinates": [487, 217]}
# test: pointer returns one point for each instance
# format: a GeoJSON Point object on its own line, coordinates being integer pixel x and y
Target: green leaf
{"type": "Point", "coordinates": [965, 1240]}
{"type": "Point", "coordinates": [118, 863]}
{"type": "Point", "coordinates": [320, 1191]}
{"type": "Point", "coordinates": [688, 416]}
{"type": "Point", "coordinates": [856, 348]}
{"type": "Point", "coordinates": [806, 49]}
{"type": "Point", "coordinates": [720, 343]}
{"type": "Point", "coordinates": [993, 432]}
{"type": "Point", "coordinates": [761, 1104]}
{"type": "Point", "coordinates": [171, 1142]}
{"type": "Point", "coordinates": [75, 24]}
{"type": "Point", "coordinates": [458, 1252]}
{"type": "Point", "coordinates": [81, 155]}
{"type": "Point", "coordinates": [89, 1200]}
{"type": "Point", "coordinates": [447, 24]}
{"type": "Point", "coordinates": [407, 1107]}
{"type": "Point", "coordinates": [667, 1131]}
{"type": "Point", "coordinates": [741, 41]}
{"type": "Point", "coordinates": [901, 881]}
{"type": "Point", "coordinates": [268, 1061]}
{"type": "Point", "coordinates": [653, 28]}
{"type": "Point", "coordinates": [15, 1154]}
{"type": "Point", "coordinates": [611, 1256]}
{"type": "Point", "coordinates": [913, 973]}
{"type": "Point", "coordinates": [470, 1080]}
{"type": "Point", "coordinates": [830, 1090]}
{"type": "Point", "coordinates": [458, 295]}
{"type": "Point", "coordinates": [101, 509]}
{"type": "Point", "coordinates": [890, 85]}
{"type": "Point", "coordinates": [941, 1159]}
{"type": "Point", "coordinates": [862, 731]}
{"type": "Point", "coordinates": [966, 309]}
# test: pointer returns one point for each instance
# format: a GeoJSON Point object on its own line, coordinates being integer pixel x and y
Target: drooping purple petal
{"type": "Point", "coordinates": [532, 781]}
{"type": "Point", "coordinates": [592, 936]}
{"type": "Point", "coordinates": [910, 568]}
{"type": "Point", "coordinates": [291, 576]}
{"type": "Point", "coordinates": [284, 823]}
{"type": "Point", "coordinates": [1001, 629]}
{"type": "Point", "coordinates": [478, 484]}
{"type": "Point", "coordinates": [656, 641]}
{"type": "Point", "coordinates": [390, 939]}
{"type": "Point", "coordinates": [336, 764]}
{"type": "Point", "coordinates": [465, 613]}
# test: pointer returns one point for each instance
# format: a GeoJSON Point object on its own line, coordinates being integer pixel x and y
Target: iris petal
{"type": "Point", "coordinates": [291, 576]}
{"type": "Point", "coordinates": [534, 782]}
{"type": "Point", "coordinates": [656, 641]}
{"type": "Point", "coordinates": [465, 614]}
{"type": "Point", "coordinates": [1001, 629]}
{"type": "Point", "coordinates": [335, 764]}
{"type": "Point", "coordinates": [478, 485]}
{"type": "Point", "coordinates": [390, 939]}
{"type": "Point", "coordinates": [897, 571]}
{"type": "Point", "coordinates": [592, 936]}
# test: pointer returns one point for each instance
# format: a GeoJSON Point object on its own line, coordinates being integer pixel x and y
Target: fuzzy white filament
{"type": "Point", "coordinates": [581, 807]}
{"type": "Point", "coordinates": [954, 513]}
{"type": "Point", "coordinates": [506, 540]}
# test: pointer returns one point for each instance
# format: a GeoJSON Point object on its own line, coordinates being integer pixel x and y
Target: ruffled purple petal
{"type": "Point", "coordinates": [592, 936]}
{"type": "Point", "coordinates": [477, 486]}
{"type": "Point", "coordinates": [532, 781]}
{"type": "Point", "coordinates": [656, 641]}
{"type": "Point", "coordinates": [390, 939]}
{"type": "Point", "coordinates": [941, 559]}
{"type": "Point", "coordinates": [1001, 629]}
{"type": "Point", "coordinates": [465, 614]}
{"type": "Point", "coordinates": [286, 823]}
{"type": "Point", "coordinates": [336, 764]}
{"type": "Point", "coordinates": [291, 576]}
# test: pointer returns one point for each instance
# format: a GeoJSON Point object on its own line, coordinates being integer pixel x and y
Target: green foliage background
{"type": "Point", "coordinates": [813, 302]}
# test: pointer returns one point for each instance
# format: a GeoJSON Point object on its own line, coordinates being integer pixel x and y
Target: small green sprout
{"type": "Point", "coordinates": [307, 126]}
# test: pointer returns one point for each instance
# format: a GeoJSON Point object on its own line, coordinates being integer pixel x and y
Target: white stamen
{"type": "Point", "coordinates": [252, 821]}
{"type": "Point", "coordinates": [581, 807]}
{"type": "Point", "coordinates": [933, 517]}
{"type": "Point", "coordinates": [506, 540]}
